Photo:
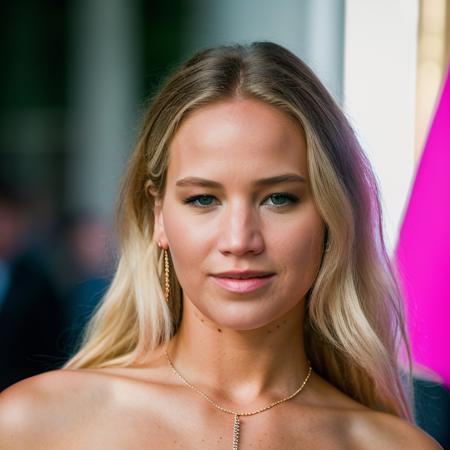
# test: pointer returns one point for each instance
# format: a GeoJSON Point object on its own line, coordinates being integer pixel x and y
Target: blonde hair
{"type": "Point", "coordinates": [354, 326]}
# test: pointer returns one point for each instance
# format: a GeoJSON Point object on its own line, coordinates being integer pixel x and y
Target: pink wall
{"type": "Point", "coordinates": [423, 249]}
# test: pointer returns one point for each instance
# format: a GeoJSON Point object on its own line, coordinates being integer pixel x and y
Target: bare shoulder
{"type": "Point", "coordinates": [36, 411]}
{"type": "Point", "coordinates": [375, 430]}
{"type": "Point", "coordinates": [363, 428]}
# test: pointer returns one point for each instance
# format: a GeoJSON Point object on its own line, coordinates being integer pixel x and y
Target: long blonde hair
{"type": "Point", "coordinates": [354, 325]}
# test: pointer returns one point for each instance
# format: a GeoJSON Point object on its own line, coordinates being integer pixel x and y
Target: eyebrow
{"type": "Point", "coordinates": [284, 178]}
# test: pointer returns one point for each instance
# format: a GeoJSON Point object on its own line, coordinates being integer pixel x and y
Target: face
{"type": "Point", "coordinates": [238, 199]}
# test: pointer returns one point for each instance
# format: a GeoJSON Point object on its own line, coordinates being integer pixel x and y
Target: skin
{"type": "Point", "coordinates": [244, 350]}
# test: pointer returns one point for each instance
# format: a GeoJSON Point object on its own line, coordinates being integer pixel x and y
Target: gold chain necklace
{"type": "Point", "coordinates": [235, 413]}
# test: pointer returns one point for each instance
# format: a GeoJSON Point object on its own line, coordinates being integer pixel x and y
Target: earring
{"type": "Point", "coordinates": [166, 276]}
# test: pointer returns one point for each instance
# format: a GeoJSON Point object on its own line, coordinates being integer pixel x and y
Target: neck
{"type": "Point", "coordinates": [241, 367]}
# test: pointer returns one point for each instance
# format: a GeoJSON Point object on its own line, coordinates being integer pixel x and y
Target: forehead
{"type": "Point", "coordinates": [240, 137]}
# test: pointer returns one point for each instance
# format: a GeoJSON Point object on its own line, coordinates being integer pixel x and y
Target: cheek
{"type": "Point", "coordinates": [301, 256]}
{"type": "Point", "coordinates": [187, 243]}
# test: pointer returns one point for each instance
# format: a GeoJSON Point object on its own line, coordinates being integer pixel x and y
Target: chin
{"type": "Point", "coordinates": [243, 319]}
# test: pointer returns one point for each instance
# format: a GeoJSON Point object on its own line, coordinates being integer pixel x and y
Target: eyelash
{"type": "Point", "coordinates": [191, 200]}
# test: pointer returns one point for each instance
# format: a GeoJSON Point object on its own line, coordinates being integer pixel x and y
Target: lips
{"type": "Point", "coordinates": [242, 282]}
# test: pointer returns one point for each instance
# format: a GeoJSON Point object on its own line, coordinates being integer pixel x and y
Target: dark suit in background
{"type": "Point", "coordinates": [31, 322]}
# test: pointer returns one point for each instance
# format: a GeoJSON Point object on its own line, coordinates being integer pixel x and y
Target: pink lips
{"type": "Point", "coordinates": [242, 285]}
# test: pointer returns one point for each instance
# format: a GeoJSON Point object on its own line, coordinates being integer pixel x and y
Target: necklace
{"type": "Point", "coordinates": [237, 414]}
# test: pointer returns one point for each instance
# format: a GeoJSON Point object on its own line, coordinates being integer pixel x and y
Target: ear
{"type": "Point", "coordinates": [159, 234]}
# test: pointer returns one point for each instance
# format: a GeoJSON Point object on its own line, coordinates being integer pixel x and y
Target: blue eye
{"type": "Point", "coordinates": [278, 200]}
{"type": "Point", "coordinates": [200, 201]}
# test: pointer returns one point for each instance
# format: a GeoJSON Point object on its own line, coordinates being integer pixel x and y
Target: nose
{"type": "Point", "coordinates": [240, 230]}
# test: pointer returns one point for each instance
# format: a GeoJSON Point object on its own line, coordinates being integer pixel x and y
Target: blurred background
{"type": "Point", "coordinates": [75, 78]}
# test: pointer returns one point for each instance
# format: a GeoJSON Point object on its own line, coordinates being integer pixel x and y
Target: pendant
{"type": "Point", "coordinates": [236, 433]}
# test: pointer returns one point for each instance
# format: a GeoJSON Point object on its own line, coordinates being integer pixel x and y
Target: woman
{"type": "Point", "coordinates": [254, 304]}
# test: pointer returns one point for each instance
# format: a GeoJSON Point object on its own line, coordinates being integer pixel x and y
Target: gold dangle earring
{"type": "Point", "coordinates": [166, 273]}
{"type": "Point", "coordinates": [166, 276]}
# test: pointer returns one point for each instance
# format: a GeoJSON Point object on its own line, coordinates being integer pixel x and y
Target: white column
{"type": "Point", "coordinates": [325, 37]}
{"type": "Point", "coordinates": [379, 94]}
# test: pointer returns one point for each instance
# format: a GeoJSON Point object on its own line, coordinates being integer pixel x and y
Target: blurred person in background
{"type": "Point", "coordinates": [31, 314]}
{"type": "Point", "coordinates": [82, 264]}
